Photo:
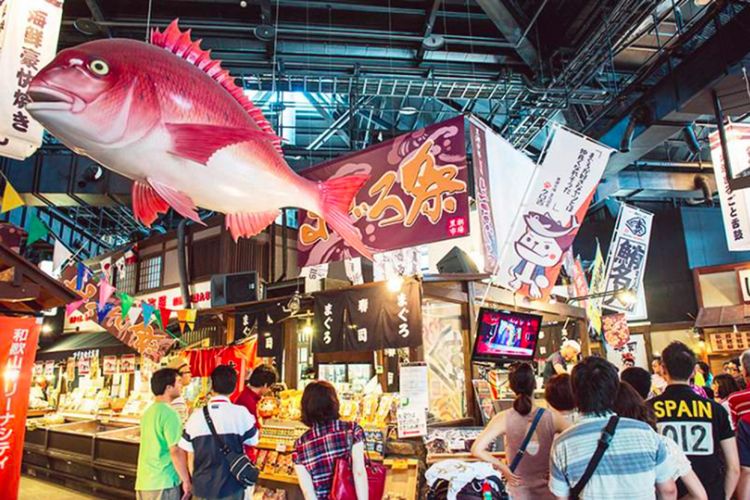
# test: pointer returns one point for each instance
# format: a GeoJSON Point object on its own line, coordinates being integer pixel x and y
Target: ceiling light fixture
{"type": "Point", "coordinates": [408, 111]}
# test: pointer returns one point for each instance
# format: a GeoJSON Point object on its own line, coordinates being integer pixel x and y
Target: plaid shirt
{"type": "Point", "coordinates": [319, 448]}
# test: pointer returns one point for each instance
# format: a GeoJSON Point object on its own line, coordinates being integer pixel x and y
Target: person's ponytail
{"type": "Point", "coordinates": [522, 404]}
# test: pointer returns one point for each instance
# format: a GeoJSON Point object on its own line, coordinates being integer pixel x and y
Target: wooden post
{"type": "Point", "coordinates": [471, 405]}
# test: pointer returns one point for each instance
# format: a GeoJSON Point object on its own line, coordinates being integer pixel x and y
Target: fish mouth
{"type": "Point", "coordinates": [50, 99]}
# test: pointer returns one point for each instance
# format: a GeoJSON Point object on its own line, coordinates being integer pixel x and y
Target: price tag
{"type": "Point", "coordinates": [457, 445]}
{"type": "Point", "coordinates": [281, 447]}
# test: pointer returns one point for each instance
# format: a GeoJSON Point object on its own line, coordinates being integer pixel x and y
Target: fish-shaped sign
{"type": "Point", "coordinates": [170, 118]}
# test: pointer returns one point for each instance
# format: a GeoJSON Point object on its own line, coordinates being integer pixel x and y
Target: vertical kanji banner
{"type": "Point", "coordinates": [28, 41]}
{"type": "Point", "coordinates": [417, 193]}
{"type": "Point", "coordinates": [18, 343]}
{"type": "Point", "coordinates": [735, 203]}
{"type": "Point", "coordinates": [627, 256]}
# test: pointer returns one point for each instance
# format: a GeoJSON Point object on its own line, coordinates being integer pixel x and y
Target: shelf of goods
{"type": "Point", "coordinates": [276, 446]}
{"type": "Point", "coordinates": [96, 455]}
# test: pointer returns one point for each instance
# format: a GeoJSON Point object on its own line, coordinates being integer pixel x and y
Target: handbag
{"type": "Point", "coordinates": [240, 466]}
{"type": "Point", "coordinates": [604, 441]}
{"type": "Point", "coordinates": [472, 491]}
{"type": "Point", "coordinates": [342, 487]}
{"type": "Point", "coordinates": [522, 450]}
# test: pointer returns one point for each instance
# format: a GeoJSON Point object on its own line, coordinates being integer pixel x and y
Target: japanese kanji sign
{"type": "Point", "coordinates": [554, 206]}
{"type": "Point", "coordinates": [368, 318]}
{"type": "Point", "coordinates": [28, 41]}
{"type": "Point", "coordinates": [594, 306]}
{"type": "Point", "coordinates": [735, 204]}
{"type": "Point", "coordinates": [627, 256]}
{"type": "Point", "coordinates": [417, 193]}
{"type": "Point", "coordinates": [18, 342]}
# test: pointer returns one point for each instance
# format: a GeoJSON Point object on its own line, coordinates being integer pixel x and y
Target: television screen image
{"type": "Point", "coordinates": [506, 336]}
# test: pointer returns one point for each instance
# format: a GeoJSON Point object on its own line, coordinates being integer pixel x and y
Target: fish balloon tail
{"type": "Point", "coordinates": [336, 198]}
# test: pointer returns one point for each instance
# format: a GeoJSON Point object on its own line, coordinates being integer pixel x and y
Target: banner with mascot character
{"type": "Point", "coordinates": [554, 207]}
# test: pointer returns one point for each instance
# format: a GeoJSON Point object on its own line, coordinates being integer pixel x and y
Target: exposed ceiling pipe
{"type": "Point", "coordinates": [701, 182]}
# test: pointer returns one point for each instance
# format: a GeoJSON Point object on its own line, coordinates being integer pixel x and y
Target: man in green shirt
{"type": "Point", "coordinates": [162, 465]}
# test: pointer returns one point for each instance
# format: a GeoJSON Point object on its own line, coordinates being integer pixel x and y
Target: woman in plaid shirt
{"type": "Point", "coordinates": [328, 439]}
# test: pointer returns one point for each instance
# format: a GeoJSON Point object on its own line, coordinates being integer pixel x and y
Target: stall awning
{"type": "Point", "coordinates": [723, 316]}
{"type": "Point", "coordinates": [105, 342]}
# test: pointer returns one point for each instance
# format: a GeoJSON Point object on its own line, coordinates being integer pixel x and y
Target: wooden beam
{"type": "Point", "coordinates": [502, 296]}
{"type": "Point", "coordinates": [23, 293]}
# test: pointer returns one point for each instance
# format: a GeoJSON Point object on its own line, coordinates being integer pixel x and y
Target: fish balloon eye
{"type": "Point", "coordinates": [99, 67]}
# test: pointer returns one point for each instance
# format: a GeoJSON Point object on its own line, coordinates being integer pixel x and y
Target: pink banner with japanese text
{"type": "Point", "coordinates": [417, 193]}
{"type": "Point", "coordinates": [18, 342]}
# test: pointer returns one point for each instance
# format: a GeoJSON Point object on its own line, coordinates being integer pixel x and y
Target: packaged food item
{"type": "Point", "coordinates": [348, 410]}
{"type": "Point", "coordinates": [382, 416]}
{"type": "Point", "coordinates": [260, 461]}
{"type": "Point", "coordinates": [268, 407]}
{"type": "Point", "coordinates": [272, 462]}
{"type": "Point", "coordinates": [369, 408]}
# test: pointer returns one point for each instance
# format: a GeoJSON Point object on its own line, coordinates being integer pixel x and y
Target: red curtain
{"type": "Point", "coordinates": [242, 357]}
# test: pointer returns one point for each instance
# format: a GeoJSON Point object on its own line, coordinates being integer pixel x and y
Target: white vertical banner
{"type": "Point", "coordinates": [553, 209]}
{"type": "Point", "coordinates": [628, 251]}
{"type": "Point", "coordinates": [735, 204]}
{"type": "Point", "coordinates": [354, 270]}
{"type": "Point", "coordinates": [503, 174]}
{"type": "Point", "coordinates": [403, 262]}
{"type": "Point", "coordinates": [29, 30]}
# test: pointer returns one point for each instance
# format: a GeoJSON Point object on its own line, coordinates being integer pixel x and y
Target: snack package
{"type": "Point", "coordinates": [348, 410]}
{"type": "Point", "coordinates": [384, 409]}
{"type": "Point", "coordinates": [369, 408]}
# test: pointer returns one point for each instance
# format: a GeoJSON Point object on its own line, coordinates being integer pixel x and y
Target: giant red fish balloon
{"type": "Point", "coordinates": [170, 118]}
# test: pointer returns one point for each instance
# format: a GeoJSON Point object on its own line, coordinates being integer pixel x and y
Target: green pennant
{"type": "Point", "coordinates": [126, 302]}
{"type": "Point", "coordinates": [157, 319]}
{"type": "Point", "coordinates": [37, 230]}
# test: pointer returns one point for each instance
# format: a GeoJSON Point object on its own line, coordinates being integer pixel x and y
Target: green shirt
{"type": "Point", "coordinates": [160, 430]}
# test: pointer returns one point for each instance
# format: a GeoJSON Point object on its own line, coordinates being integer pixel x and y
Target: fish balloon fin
{"type": "Point", "coordinates": [336, 198]}
{"type": "Point", "coordinates": [180, 44]}
{"type": "Point", "coordinates": [180, 202]}
{"type": "Point", "coordinates": [147, 204]}
{"type": "Point", "coordinates": [199, 142]}
{"type": "Point", "coordinates": [245, 225]}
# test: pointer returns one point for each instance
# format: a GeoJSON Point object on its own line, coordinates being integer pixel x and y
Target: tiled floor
{"type": "Point", "coordinates": [36, 489]}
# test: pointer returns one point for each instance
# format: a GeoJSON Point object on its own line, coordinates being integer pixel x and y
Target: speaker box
{"type": "Point", "coordinates": [235, 288]}
{"type": "Point", "coordinates": [457, 262]}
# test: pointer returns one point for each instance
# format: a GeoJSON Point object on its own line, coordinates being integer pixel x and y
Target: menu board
{"type": "Point", "coordinates": [729, 341]}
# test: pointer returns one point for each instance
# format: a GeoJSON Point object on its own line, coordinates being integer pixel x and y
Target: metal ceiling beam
{"type": "Point", "coordinates": [429, 25]}
{"type": "Point", "coordinates": [339, 123]}
{"type": "Point", "coordinates": [679, 184]}
{"type": "Point", "coordinates": [328, 116]}
{"type": "Point", "coordinates": [509, 27]}
{"type": "Point", "coordinates": [96, 13]}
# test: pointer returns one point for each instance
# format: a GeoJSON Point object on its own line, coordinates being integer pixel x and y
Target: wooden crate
{"type": "Point", "coordinates": [401, 478]}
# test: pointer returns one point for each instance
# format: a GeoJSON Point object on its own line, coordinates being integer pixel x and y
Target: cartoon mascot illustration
{"type": "Point", "coordinates": [540, 247]}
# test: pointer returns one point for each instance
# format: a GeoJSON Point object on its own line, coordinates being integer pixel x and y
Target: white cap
{"type": "Point", "coordinates": [572, 344]}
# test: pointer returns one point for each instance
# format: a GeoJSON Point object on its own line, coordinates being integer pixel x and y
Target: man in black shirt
{"type": "Point", "coordinates": [557, 362]}
{"type": "Point", "coordinates": [699, 426]}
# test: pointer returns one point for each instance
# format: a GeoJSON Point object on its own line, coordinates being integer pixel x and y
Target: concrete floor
{"type": "Point", "coordinates": [35, 489]}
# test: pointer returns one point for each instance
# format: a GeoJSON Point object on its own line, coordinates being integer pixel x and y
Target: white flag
{"type": "Point", "coordinates": [29, 31]}
{"type": "Point", "coordinates": [106, 267]}
{"type": "Point", "coordinates": [133, 314]}
{"type": "Point", "coordinates": [354, 270]}
{"type": "Point", "coordinates": [60, 255]}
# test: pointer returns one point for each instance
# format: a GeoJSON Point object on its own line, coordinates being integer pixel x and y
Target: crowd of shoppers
{"type": "Point", "coordinates": [630, 435]}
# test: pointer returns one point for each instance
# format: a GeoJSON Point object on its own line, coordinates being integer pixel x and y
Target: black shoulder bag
{"type": "Point", "coordinates": [522, 450]}
{"type": "Point", "coordinates": [606, 438]}
{"type": "Point", "coordinates": [240, 466]}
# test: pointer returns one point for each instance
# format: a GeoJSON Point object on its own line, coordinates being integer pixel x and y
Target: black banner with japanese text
{"type": "Point", "coordinates": [369, 318]}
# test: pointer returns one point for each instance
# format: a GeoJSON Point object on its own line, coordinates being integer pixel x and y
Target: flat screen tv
{"type": "Point", "coordinates": [506, 336]}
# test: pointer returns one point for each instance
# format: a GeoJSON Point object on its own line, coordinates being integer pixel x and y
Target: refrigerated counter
{"type": "Point", "coordinates": [91, 455]}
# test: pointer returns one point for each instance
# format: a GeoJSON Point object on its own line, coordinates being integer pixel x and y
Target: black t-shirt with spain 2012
{"type": "Point", "coordinates": [698, 426]}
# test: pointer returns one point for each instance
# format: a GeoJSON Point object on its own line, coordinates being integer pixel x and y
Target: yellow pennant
{"type": "Point", "coordinates": [182, 318]}
{"type": "Point", "coordinates": [11, 199]}
{"type": "Point", "coordinates": [190, 317]}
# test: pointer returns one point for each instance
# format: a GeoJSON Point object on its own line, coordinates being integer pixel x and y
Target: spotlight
{"type": "Point", "coordinates": [394, 283]}
{"type": "Point", "coordinates": [627, 296]}
{"type": "Point", "coordinates": [307, 330]}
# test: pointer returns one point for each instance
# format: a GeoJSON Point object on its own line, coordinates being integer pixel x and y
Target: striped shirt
{"type": "Point", "coordinates": [739, 406]}
{"type": "Point", "coordinates": [635, 461]}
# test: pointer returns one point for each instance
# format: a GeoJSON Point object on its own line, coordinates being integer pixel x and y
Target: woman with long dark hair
{"type": "Point", "coordinates": [529, 479]}
{"type": "Point", "coordinates": [723, 386]}
{"type": "Point", "coordinates": [630, 404]}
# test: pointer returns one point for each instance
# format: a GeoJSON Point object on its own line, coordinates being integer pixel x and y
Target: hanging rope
{"type": "Point", "coordinates": [148, 21]}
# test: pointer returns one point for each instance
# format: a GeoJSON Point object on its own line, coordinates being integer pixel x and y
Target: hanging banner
{"type": "Point", "coordinates": [368, 318]}
{"type": "Point", "coordinates": [553, 209]}
{"type": "Point", "coordinates": [29, 31]}
{"type": "Point", "coordinates": [735, 204]}
{"type": "Point", "coordinates": [616, 331]}
{"type": "Point", "coordinates": [127, 363]}
{"type": "Point", "coordinates": [354, 270]}
{"type": "Point", "coordinates": [594, 306]}
{"type": "Point", "coordinates": [506, 182]}
{"type": "Point", "coordinates": [109, 366]}
{"type": "Point", "coordinates": [626, 262]}
{"type": "Point", "coordinates": [270, 340]}
{"type": "Point", "coordinates": [49, 368]}
{"type": "Point", "coordinates": [18, 343]}
{"type": "Point", "coordinates": [417, 193]}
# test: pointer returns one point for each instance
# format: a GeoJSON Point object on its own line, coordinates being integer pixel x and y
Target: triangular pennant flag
{"type": "Point", "coordinates": [163, 318]}
{"type": "Point", "coordinates": [105, 292]}
{"type": "Point", "coordinates": [106, 267]}
{"type": "Point", "coordinates": [60, 255]}
{"type": "Point", "coordinates": [120, 265]}
{"type": "Point", "coordinates": [190, 318]}
{"type": "Point", "coordinates": [11, 199]}
{"type": "Point", "coordinates": [126, 302]}
{"type": "Point", "coordinates": [102, 312]}
{"type": "Point", "coordinates": [182, 319]}
{"type": "Point", "coordinates": [133, 314]}
{"type": "Point", "coordinates": [82, 274]}
{"type": "Point", "coordinates": [148, 311]}
{"type": "Point", "coordinates": [73, 307]}
{"type": "Point", "coordinates": [37, 230]}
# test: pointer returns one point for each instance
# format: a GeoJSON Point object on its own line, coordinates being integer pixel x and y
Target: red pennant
{"type": "Point", "coordinates": [164, 313]}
